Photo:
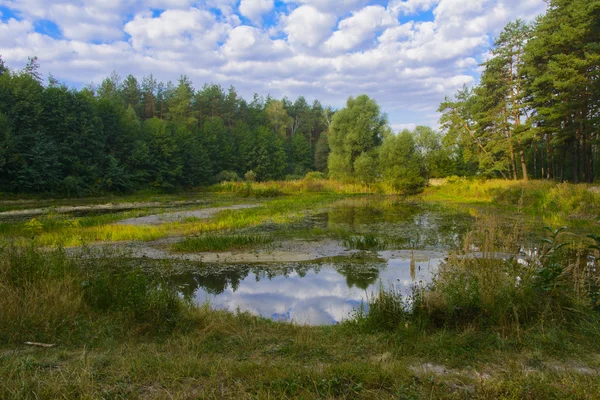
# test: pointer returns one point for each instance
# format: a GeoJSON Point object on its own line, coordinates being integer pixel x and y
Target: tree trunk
{"type": "Point", "coordinates": [523, 164]}
{"type": "Point", "coordinates": [576, 161]}
{"type": "Point", "coordinates": [534, 160]}
{"type": "Point", "coordinates": [549, 164]}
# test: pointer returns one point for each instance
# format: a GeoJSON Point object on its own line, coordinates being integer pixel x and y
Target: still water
{"type": "Point", "coordinates": [314, 294]}
{"type": "Point", "coordinates": [327, 291]}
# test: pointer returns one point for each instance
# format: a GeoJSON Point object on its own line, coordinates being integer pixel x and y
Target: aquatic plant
{"type": "Point", "coordinates": [220, 243]}
{"type": "Point", "coordinates": [365, 242]}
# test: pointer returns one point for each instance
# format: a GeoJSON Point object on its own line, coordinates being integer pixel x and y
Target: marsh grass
{"type": "Point", "coordinates": [53, 296]}
{"type": "Point", "coordinates": [494, 326]}
{"type": "Point", "coordinates": [533, 197]}
{"type": "Point", "coordinates": [121, 334]}
{"type": "Point", "coordinates": [295, 187]}
{"type": "Point", "coordinates": [487, 287]}
{"type": "Point", "coordinates": [221, 243]}
{"type": "Point", "coordinates": [365, 242]}
{"type": "Point", "coordinates": [68, 233]}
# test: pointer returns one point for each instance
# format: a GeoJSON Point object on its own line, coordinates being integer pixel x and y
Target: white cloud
{"type": "Point", "coordinates": [326, 49]}
{"type": "Point", "coordinates": [308, 26]}
{"type": "Point", "coordinates": [176, 29]}
{"type": "Point", "coordinates": [359, 28]}
{"type": "Point", "coordinates": [409, 7]}
{"type": "Point", "coordinates": [401, 127]}
{"type": "Point", "coordinates": [340, 7]}
{"type": "Point", "coordinates": [249, 43]}
{"type": "Point", "coordinates": [255, 9]}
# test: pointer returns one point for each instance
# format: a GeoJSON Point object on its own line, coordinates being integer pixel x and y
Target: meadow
{"type": "Point", "coordinates": [500, 318]}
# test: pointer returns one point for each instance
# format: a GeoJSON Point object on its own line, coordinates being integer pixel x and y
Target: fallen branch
{"type": "Point", "coordinates": [39, 344]}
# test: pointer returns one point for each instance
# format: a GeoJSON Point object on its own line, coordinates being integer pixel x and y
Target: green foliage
{"type": "Point", "coordinates": [366, 242]}
{"type": "Point", "coordinates": [124, 136]}
{"type": "Point", "coordinates": [250, 176]}
{"type": "Point", "coordinates": [322, 153]}
{"type": "Point", "coordinates": [366, 168]}
{"type": "Point", "coordinates": [221, 243]}
{"type": "Point", "coordinates": [533, 114]}
{"type": "Point", "coordinates": [270, 159]}
{"type": "Point", "coordinates": [228, 176]}
{"type": "Point", "coordinates": [387, 311]}
{"type": "Point", "coordinates": [401, 163]}
{"type": "Point", "coordinates": [315, 176]}
{"type": "Point", "coordinates": [301, 157]}
{"type": "Point", "coordinates": [356, 129]}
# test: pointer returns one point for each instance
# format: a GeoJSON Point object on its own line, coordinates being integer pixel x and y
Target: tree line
{"type": "Point", "coordinates": [535, 112]}
{"type": "Point", "coordinates": [125, 135]}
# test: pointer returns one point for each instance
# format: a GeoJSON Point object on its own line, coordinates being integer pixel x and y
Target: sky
{"type": "Point", "coordinates": [406, 54]}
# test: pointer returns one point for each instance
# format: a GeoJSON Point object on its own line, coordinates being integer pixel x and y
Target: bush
{"type": "Point", "coordinates": [314, 176]}
{"type": "Point", "coordinates": [228, 176]}
{"type": "Point", "coordinates": [250, 176]}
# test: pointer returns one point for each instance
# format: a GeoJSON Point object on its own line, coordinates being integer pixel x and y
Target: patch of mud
{"type": "Point", "coordinates": [287, 251]}
{"type": "Point", "coordinates": [108, 207]}
{"type": "Point", "coordinates": [158, 219]}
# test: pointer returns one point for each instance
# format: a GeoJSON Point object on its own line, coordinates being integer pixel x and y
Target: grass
{"type": "Point", "coordinates": [294, 187]}
{"type": "Point", "coordinates": [221, 243]}
{"type": "Point", "coordinates": [70, 232]}
{"type": "Point", "coordinates": [365, 242]}
{"type": "Point", "coordinates": [480, 287]}
{"type": "Point", "coordinates": [485, 328]}
{"type": "Point", "coordinates": [121, 335]}
{"type": "Point", "coordinates": [533, 197]}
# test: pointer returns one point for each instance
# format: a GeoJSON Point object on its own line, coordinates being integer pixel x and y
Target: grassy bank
{"type": "Point", "coordinates": [534, 197]}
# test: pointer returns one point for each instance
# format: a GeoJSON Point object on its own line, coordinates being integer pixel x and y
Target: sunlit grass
{"type": "Point", "coordinates": [535, 197]}
{"type": "Point", "coordinates": [73, 233]}
{"type": "Point", "coordinates": [221, 243]}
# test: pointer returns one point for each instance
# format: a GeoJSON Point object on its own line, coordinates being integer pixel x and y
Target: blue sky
{"type": "Point", "coordinates": [407, 54]}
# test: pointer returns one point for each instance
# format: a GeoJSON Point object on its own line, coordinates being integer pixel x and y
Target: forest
{"type": "Point", "coordinates": [533, 115]}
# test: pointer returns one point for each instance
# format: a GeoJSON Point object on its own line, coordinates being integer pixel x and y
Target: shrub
{"type": "Point", "coordinates": [314, 175]}
{"type": "Point", "coordinates": [250, 176]}
{"type": "Point", "coordinates": [227, 176]}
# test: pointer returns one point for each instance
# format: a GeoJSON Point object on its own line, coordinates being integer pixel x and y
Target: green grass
{"type": "Point", "coordinates": [562, 200]}
{"type": "Point", "coordinates": [70, 232]}
{"type": "Point", "coordinates": [108, 346]}
{"type": "Point", "coordinates": [365, 242]}
{"type": "Point", "coordinates": [221, 243]}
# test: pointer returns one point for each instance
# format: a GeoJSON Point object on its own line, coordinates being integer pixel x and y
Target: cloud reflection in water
{"type": "Point", "coordinates": [320, 296]}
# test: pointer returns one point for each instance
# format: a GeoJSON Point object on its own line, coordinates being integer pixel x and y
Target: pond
{"type": "Point", "coordinates": [311, 294]}
{"type": "Point", "coordinates": [416, 238]}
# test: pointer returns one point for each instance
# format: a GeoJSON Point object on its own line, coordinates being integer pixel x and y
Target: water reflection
{"type": "Point", "coordinates": [408, 225]}
{"type": "Point", "coordinates": [327, 293]}
{"type": "Point", "coordinates": [313, 294]}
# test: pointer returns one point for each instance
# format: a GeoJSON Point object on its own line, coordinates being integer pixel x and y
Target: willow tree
{"type": "Point", "coordinates": [356, 129]}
